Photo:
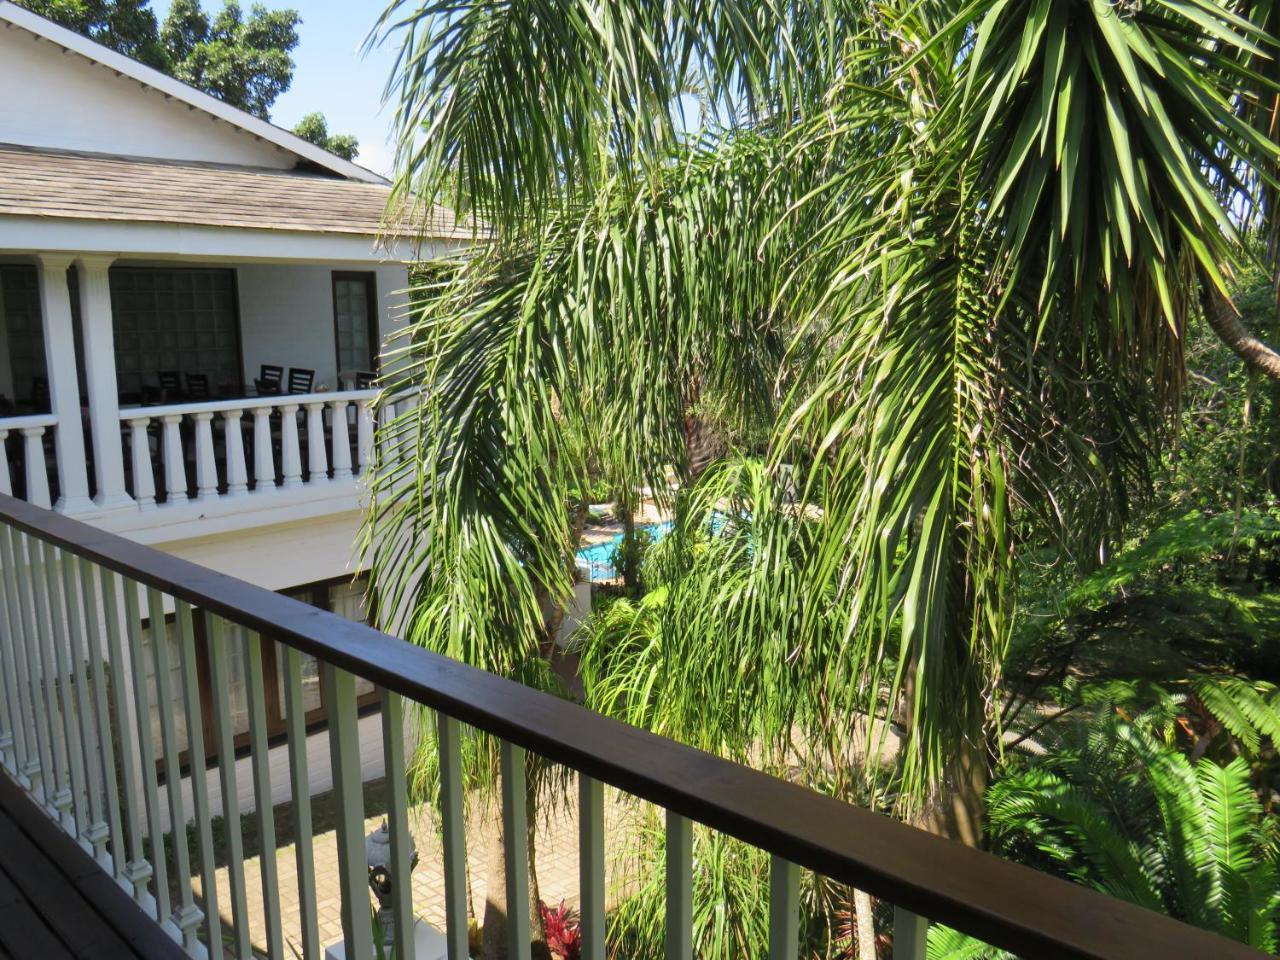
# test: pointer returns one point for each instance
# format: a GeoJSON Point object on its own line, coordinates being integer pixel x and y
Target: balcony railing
{"type": "Point", "coordinates": [200, 451]}
{"type": "Point", "coordinates": [203, 452]}
{"type": "Point", "coordinates": [73, 601]}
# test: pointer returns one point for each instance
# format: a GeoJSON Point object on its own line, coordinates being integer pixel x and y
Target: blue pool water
{"type": "Point", "coordinates": [598, 558]}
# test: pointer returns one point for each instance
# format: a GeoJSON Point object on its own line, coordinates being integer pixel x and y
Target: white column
{"type": "Point", "coordinates": [237, 477]}
{"type": "Point", "coordinates": [64, 390]}
{"type": "Point", "coordinates": [100, 381]}
{"type": "Point", "coordinates": [290, 454]}
{"type": "Point", "coordinates": [317, 460]}
{"type": "Point", "coordinates": [264, 468]}
{"type": "Point", "coordinates": [37, 476]}
{"type": "Point", "coordinates": [175, 460]}
{"type": "Point", "coordinates": [341, 441]}
{"type": "Point", "coordinates": [6, 486]}
{"type": "Point", "coordinates": [206, 463]}
{"type": "Point", "coordinates": [144, 479]}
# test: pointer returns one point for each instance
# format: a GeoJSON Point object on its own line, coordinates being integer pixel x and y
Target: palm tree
{"type": "Point", "coordinates": [941, 258]}
{"type": "Point", "coordinates": [1115, 808]}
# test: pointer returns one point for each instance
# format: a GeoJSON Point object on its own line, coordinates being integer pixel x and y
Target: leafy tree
{"type": "Point", "coordinates": [128, 26]}
{"type": "Point", "coordinates": [1116, 808]}
{"type": "Point", "coordinates": [950, 337]}
{"type": "Point", "coordinates": [245, 61]}
{"type": "Point", "coordinates": [315, 129]}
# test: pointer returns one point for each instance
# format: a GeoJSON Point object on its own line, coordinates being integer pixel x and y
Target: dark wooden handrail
{"type": "Point", "coordinates": [1003, 903]}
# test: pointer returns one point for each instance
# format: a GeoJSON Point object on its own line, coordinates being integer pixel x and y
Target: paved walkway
{"type": "Point", "coordinates": [556, 857]}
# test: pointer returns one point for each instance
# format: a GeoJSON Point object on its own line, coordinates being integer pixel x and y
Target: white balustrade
{"type": "Point", "coordinates": [175, 460]}
{"type": "Point", "coordinates": [189, 434]}
{"type": "Point", "coordinates": [290, 456]}
{"type": "Point", "coordinates": [341, 440]}
{"type": "Point", "coordinates": [144, 481]}
{"type": "Point", "coordinates": [317, 460]}
{"type": "Point", "coordinates": [237, 476]}
{"type": "Point", "coordinates": [206, 461]}
{"type": "Point", "coordinates": [34, 469]}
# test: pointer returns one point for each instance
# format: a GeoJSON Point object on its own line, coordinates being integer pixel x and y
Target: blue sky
{"type": "Point", "coordinates": [331, 75]}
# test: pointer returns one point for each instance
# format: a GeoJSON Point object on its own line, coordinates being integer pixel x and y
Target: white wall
{"type": "Point", "coordinates": [64, 101]}
{"type": "Point", "coordinates": [282, 555]}
{"type": "Point", "coordinates": [286, 314]}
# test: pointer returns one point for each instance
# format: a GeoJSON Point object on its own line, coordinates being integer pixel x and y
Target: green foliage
{"type": "Point", "coordinates": [245, 60]}
{"type": "Point", "coordinates": [730, 900]}
{"type": "Point", "coordinates": [128, 26]}
{"type": "Point", "coordinates": [315, 129]}
{"type": "Point", "coordinates": [1113, 807]}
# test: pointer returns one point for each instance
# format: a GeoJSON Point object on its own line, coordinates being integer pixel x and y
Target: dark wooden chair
{"type": "Point", "coordinates": [170, 384]}
{"type": "Point", "coordinates": [270, 376]}
{"type": "Point", "coordinates": [365, 379]}
{"type": "Point", "coordinates": [301, 380]}
{"type": "Point", "coordinates": [198, 386]}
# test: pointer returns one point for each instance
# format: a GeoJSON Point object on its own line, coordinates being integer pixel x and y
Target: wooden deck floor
{"type": "Point", "coordinates": [55, 902]}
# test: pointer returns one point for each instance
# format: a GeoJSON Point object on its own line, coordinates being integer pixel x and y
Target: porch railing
{"type": "Point", "coordinates": [75, 694]}
{"type": "Point", "coordinates": [34, 478]}
{"type": "Point", "coordinates": [200, 451]}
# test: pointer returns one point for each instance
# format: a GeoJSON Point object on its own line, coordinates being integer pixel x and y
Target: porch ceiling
{"type": "Point", "coordinates": [78, 186]}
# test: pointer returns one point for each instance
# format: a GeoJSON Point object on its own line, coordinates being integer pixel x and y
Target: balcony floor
{"type": "Point", "coordinates": [55, 902]}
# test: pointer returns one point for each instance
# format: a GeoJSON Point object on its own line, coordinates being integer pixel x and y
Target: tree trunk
{"type": "Point", "coordinates": [702, 445]}
{"type": "Point", "coordinates": [864, 925]}
{"type": "Point", "coordinates": [958, 809]}
{"type": "Point", "coordinates": [494, 931]}
{"type": "Point", "coordinates": [1224, 319]}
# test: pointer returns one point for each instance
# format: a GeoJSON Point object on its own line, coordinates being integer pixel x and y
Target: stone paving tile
{"type": "Point", "coordinates": [556, 857]}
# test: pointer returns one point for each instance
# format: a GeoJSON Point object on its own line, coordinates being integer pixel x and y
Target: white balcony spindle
{"type": "Point", "coordinates": [196, 765]}
{"type": "Point", "coordinates": [260, 764]}
{"type": "Point", "coordinates": [188, 916]}
{"type": "Point", "coordinates": [175, 461]}
{"type": "Point", "coordinates": [106, 759]}
{"type": "Point", "coordinates": [264, 466]}
{"type": "Point", "coordinates": [317, 460]}
{"type": "Point", "coordinates": [14, 659]}
{"type": "Point", "coordinates": [144, 478]}
{"type": "Point", "coordinates": [453, 819]}
{"type": "Point", "coordinates": [784, 909]}
{"type": "Point", "coordinates": [290, 454]}
{"type": "Point", "coordinates": [94, 828]}
{"type": "Point", "coordinates": [206, 463]}
{"type": "Point", "coordinates": [133, 869]}
{"type": "Point", "coordinates": [344, 752]}
{"type": "Point", "coordinates": [6, 483]}
{"type": "Point", "coordinates": [364, 434]}
{"type": "Point", "coordinates": [39, 769]}
{"type": "Point", "coordinates": [910, 935]}
{"type": "Point", "coordinates": [37, 473]}
{"type": "Point", "coordinates": [591, 865]}
{"type": "Point", "coordinates": [147, 754]}
{"type": "Point", "coordinates": [341, 440]}
{"type": "Point", "coordinates": [515, 843]}
{"type": "Point", "coordinates": [220, 684]}
{"type": "Point", "coordinates": [679, 877]}
{"type": "Point", "coordinates": [398, 820]}
{"type": "Point", "coordinates": [233, 441]}
{"type": "Point", "coordinates": [58, 692]}
{"type": "Point", "coordinates": [296, 720]}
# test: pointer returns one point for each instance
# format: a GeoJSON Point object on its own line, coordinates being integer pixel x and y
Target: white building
{"type": "Point", "coordinates": [167, 262]}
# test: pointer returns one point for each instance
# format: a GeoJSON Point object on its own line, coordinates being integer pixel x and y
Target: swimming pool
{"type": "Point", "coordinates": [597, 559]}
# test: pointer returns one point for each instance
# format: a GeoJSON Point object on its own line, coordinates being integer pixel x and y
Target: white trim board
{"type": "Point", "coordinates": [191, 242]}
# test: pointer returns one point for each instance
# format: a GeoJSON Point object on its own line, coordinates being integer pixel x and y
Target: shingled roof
{"type": "Point", "coordinates": [79, 186]}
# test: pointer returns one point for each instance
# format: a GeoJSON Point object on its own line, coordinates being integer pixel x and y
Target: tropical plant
{"type": "Point", "coordinates": [1113, 807]}
{"type": "Point", "coordinates": [951, 300]}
